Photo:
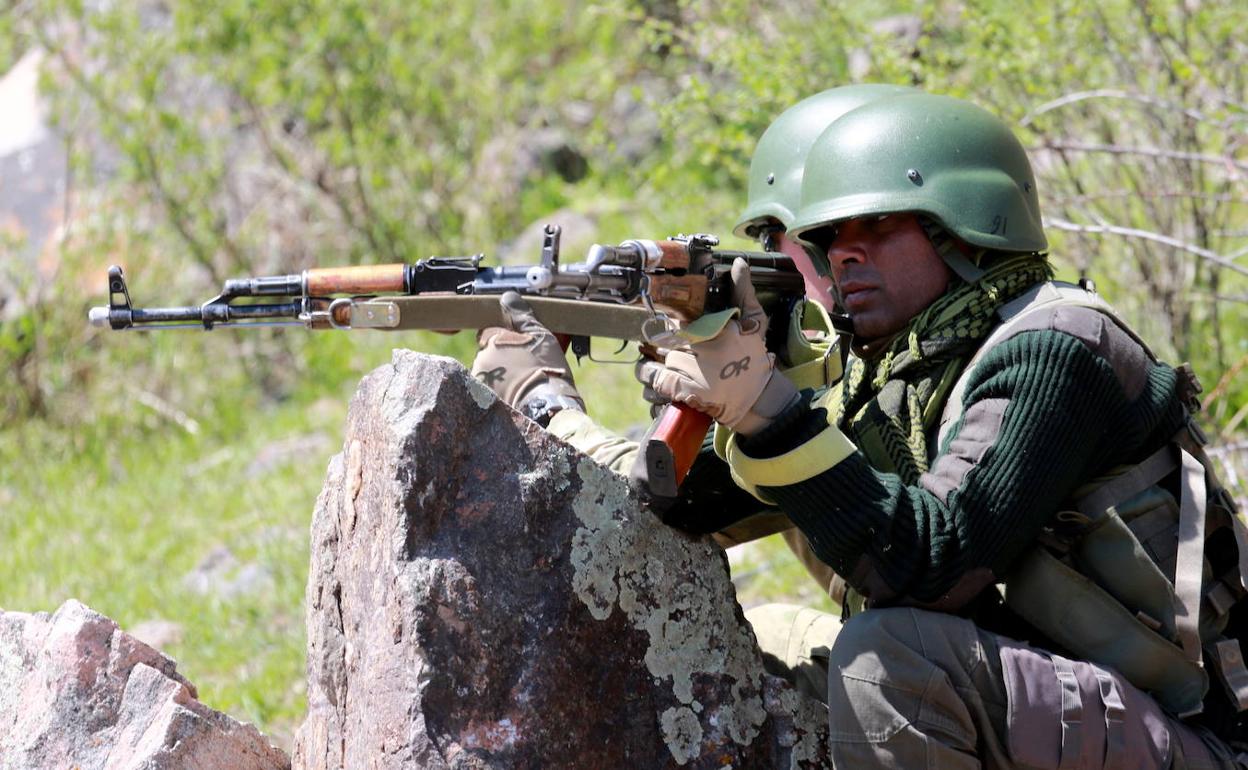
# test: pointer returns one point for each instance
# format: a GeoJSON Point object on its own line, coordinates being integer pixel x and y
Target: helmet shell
{"type": "Point", "coordinates": [924, 153]}
{"type": "Point", "coordinates": [780, 155]}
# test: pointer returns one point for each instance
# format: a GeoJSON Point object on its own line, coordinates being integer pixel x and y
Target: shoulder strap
{"type": "Point", "coordinates": [815, 364]}
{"type": "Point", "coordinates": [1041, 297]}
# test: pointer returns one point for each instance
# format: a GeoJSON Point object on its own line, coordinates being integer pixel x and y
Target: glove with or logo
{"type": "Point", "coordinates": [723, 368]}
{"type": "Point", "coordinates": [524, 364]}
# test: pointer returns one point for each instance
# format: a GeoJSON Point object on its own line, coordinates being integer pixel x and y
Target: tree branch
{"type": "Point", "coordinates": [1114, 149]}
{"type": "Point", "coordinates": [1130, 232]}
{"type": "Point", "coordinates": [1113, 93]}
{"type": "Point", "coordinates": [1162, 194]}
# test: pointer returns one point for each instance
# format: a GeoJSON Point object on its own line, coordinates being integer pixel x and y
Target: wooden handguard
{"type": "Point", "coordinates": [683, 296]}
{"type": "Point", "coordinates": [362, 279]}
{"type": "Point", "coordinates": [675, 255]}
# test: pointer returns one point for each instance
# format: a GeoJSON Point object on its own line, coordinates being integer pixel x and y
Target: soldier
{"type": "Point", "coordinates": [1045, 573]}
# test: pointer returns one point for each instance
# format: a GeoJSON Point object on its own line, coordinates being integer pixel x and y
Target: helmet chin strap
{"type": "Point", "coordinates": [947, 248]}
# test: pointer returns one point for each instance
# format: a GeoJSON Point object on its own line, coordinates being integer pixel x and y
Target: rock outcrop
{"type": "Point", "coordinates": [76, 691]}
{"type": "Point", "coordinates": [484, 596]}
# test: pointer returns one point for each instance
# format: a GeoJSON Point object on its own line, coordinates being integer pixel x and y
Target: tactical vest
{"type": "Point", "coordinates": [1142, 567]}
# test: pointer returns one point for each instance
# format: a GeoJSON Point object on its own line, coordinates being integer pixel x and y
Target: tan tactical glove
{"type": "Point", "coordinates": [656, 401]}
{"type": "Point", "coordinates": [524, 364]}
{"type": "Point", "coordinates": [724, 369]}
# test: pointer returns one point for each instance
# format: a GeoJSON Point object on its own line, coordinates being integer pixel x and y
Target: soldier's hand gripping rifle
{"type": "Point", "coordinates": [634, 292]}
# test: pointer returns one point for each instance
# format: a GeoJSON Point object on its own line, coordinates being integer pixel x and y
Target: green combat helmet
{"type": "Point", "coordinates": [927, 154]}
{"type": "Point", "coordinates": [776, 168]}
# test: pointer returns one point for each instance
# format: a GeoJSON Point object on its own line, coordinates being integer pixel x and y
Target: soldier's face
{"type": "Point", "coordinates": [887, 271]}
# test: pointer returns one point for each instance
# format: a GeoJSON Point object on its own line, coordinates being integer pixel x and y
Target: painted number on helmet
{"type": "Point", "coordinates": [999, 224]}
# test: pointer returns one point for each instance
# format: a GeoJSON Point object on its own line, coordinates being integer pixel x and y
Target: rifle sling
{"type": "Point", "coordinates": [561, 316]}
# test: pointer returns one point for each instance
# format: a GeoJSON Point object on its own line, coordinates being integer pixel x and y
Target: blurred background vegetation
{"type": "Point", "coordinates": [167, 479]}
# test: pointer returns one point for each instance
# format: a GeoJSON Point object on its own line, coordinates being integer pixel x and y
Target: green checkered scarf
{"type": "Point", "coordinates": [890, 401]}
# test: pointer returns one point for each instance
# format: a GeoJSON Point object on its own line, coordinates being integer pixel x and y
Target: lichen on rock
{"type": "Point", "coordinates": [682, 732]}
{"type": "Point", "coordinates": [692, 627]}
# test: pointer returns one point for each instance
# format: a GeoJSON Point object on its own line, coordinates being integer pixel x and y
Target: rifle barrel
{"type": "Point", "coordinates": [206, 315]}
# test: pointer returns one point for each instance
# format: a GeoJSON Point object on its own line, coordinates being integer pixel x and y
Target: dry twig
{"type": "Point", "coordinates": [1131, 232]}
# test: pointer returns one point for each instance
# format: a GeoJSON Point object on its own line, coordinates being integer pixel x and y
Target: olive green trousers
{"type": "Point", "coordinates": [909, 688]}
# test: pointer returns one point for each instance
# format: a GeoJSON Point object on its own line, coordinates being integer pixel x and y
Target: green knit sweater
{"type": "Point", "coordinates": [1044, 412]}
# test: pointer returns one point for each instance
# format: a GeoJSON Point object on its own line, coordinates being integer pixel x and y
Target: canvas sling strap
{"type": "Point", "coordinates": [1190, 565]}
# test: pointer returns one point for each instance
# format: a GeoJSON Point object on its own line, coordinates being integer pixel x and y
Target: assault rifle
{"type": "Point", "coordinates": [635, 291]}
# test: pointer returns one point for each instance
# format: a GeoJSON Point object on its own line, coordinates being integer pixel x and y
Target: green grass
{"type": "Point", "coordinates": [121, 528]}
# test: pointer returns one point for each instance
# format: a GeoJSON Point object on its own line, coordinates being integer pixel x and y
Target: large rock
{"type": "Point", "coordinates": [76, 691]}
{"type": "Point", "coordinates": [483, 596]}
